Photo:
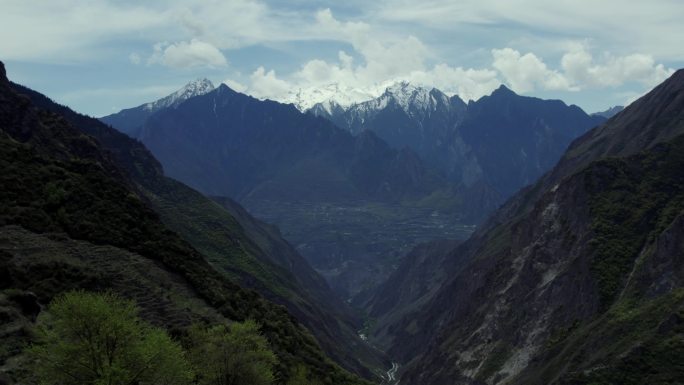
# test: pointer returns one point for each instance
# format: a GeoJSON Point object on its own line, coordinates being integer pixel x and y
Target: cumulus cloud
{"type": "Point", "coordinates": [384, 60]}
{"type": "Point", "coordinates": [194, 53]}
{"type": "Point", "coordinates": [235, 85]}
{"type": "Point", "coordinates": [469, 84]}
{"type": "Point", "coordinates": [265, 84]}
{"type": "Point", "coordinates": [580, 68]}
{"type": "Point", "coordinates": [525, 73]}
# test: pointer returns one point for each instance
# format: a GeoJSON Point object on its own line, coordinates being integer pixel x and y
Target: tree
{"type": "Point", "coordinates": [233, 355]}
{"type": "Point", "coordinates": [91, 338]}
{"type": "Point", "coordinates": [300, 376]}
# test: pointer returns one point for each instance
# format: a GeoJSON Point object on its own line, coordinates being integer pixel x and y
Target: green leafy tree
{"type": "Point", "coordinates": [234, 355]}
{"type": "Point", "coordinates": [91, 338]}
{"type": "Point", "coordinates": [300, 376]}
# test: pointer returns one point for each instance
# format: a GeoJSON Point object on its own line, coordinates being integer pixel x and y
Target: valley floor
{"type": "Point", "coordinates": [357, 245]}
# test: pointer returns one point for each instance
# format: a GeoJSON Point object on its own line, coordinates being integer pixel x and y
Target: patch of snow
{"type": "Point", "coordinates": [194, 88]}
{"type": "Point", "coordinates": [331, 94]}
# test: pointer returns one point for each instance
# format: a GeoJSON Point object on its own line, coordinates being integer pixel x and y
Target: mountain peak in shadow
{"type": "Point", "coordinates": [503, 91]}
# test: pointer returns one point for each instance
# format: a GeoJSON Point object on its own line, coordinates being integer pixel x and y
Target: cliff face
{"type": "Point", "coordinates": [578, 278]}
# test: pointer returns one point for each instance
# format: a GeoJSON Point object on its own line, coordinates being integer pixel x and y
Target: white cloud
{"type": "Point", "coordinates": [69, 30]}
{"type": "Point", "coordinates": [469, 84]}
{"type": "Point", "coordinates": [383, 60]}
{"type": "Point", "coordinates": [235, 85]}
{"type": "Point", "coordinates": [194, 53]}
{"type": "Point", "coordinates": [578, 70]}
{"type": "Point", "coordinates": [525, 73]}
{"type": "Point", "coordinates": [581, 69]}
{"type": "Point", "coordinates": [265, 84]}
{"type": "Point", "coordinates": [643, 26]}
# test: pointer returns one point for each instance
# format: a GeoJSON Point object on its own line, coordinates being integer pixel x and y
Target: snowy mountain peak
{"type": "Point", "coordinates": [325, 100]}
{"type": "Point", "coordinates": [328, 96]}
{"type": "Point", "coordinates": [402, 87]}
{"type": "Point", "coordinates": [194, 88]}
{"type": "Point", "coordinates": [326, 108]}
{"type": "Point", "coordinates": [415, 98]}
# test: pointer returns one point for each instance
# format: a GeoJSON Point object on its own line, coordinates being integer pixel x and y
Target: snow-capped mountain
{"type": "Point", "coordinates": [129, 120]}
{"type": "Point", "coordinates": [504, 140]}
{"type": "Point", "coordinates": [325, 100]}
{"type": "Point", "coordinates": [194, 88]}
{"type": "Point", "coordinates": [415, 101]}
{"type": "Point", "coordinates": [404, 99]}
{"type": "Point", "coordinates": [328, 96]}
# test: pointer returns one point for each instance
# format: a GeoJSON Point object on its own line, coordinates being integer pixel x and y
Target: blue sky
{"type": "Point", "coordinates": [100, 56]}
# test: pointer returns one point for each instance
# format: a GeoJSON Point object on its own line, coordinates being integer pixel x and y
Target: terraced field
{"type": "Point", "coordinates": [356, 246]}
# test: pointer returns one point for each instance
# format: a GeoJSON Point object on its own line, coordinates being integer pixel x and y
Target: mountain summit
{"type": "Point", "coordinates": [337, 96]}
{"type": "Point", "coordinates": [330, 94]}
{"type": "Point", "coordinates": [130, 120]}
{"type": "Point", "coordinates": [194, 88]}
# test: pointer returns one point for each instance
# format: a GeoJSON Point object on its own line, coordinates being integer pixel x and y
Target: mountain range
{"type": "Point", "coordinates": [299, 172]}
{"type": "Point", "coordinates": [504, 141]}
{"type": "Point", "coordinates": [328, 183]}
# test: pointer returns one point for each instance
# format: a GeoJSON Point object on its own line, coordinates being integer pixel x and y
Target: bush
{"type": "Point", "coordinates": [233, 355]}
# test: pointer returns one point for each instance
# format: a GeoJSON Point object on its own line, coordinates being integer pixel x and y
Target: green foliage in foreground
{"type": "Point", "coordinates": [300, 376]}
{"type": "Point", "coordinates": [231, 355]}
{"type": "Point", "coordinates": [91, 338]}
{"type": "Point", "coordinates": [98, 339]}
